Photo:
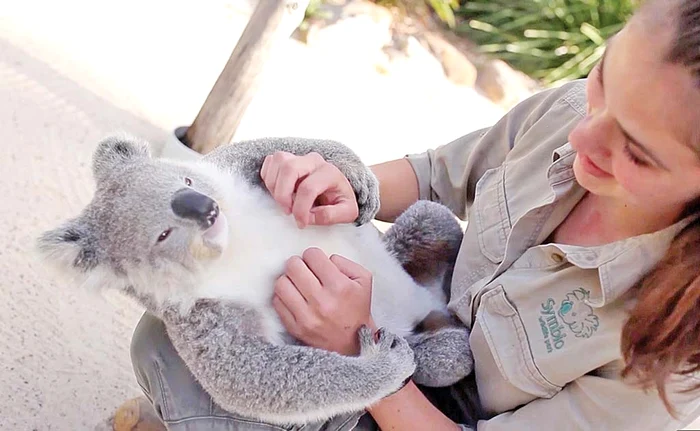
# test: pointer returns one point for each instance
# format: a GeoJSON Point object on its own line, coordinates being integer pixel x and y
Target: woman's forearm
{"type": "Point", "coordinates": [398, 188]}
{"type": "Point", "coordinates": [409, 409]}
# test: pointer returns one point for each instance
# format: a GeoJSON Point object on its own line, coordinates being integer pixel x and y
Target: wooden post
{"type": "Point", "coordinates": [271, 22]}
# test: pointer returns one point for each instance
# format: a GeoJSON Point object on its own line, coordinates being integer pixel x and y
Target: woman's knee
{"type": "Point", "coordinates": [182, 403]}
{"type": "Point", "coordinates": [163, 376]}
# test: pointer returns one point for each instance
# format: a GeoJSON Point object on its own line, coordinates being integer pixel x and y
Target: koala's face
{"type": "Point", "coordinates": [146, 216]}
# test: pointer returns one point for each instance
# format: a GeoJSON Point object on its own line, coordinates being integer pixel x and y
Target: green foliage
{"type": "Point", "coordinates": [445, 10]}
{"type": "Point", "coordinates": [549, 40]}
{"type": "Point", "coordinates": [552, 41]}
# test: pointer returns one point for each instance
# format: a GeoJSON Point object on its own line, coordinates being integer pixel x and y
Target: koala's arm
{"type": "Point", "coordinates": [246, 159]}
{"type": "Point", "coordinates": [247, 375]}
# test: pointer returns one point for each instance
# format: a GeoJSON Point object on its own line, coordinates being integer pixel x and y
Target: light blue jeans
{"type": "Point", "coordinates": [183, 405]}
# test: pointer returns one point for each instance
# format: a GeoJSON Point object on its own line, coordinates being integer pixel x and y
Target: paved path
{"type": "Point", "coordinates": [73, 71]}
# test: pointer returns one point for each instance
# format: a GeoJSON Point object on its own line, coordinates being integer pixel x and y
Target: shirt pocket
{"type": "Point", "coordinates": [492, 219]}
{"type": "Point", "coordinates": [507, 339]}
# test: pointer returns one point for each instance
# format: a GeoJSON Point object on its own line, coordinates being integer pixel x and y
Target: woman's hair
{"type": "Point", "coordinates": [685, 49]}
{"type": "Point", "coordinates": [661, 339]}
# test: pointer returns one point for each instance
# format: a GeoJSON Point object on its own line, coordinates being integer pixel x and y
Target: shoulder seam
{"type": "Point", "coordinates": [575, 97]}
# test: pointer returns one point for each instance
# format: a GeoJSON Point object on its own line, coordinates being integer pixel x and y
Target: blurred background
{"type": "Point", "coordinates": [386, 77]}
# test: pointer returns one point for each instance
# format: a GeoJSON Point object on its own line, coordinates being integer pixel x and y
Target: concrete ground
{"type": "Point", "coordinates": [72, 72]}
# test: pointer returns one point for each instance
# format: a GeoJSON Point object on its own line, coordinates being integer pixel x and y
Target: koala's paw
{"type": "Point", "coordinates": [366, 187]}
{"type": "Point", "coordinates": [391, 351]}
{"type": "Point", "coordinates": [443, 357]}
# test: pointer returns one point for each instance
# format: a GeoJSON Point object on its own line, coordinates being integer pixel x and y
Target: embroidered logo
{"type": "Point", "coordinates": [573, 312]}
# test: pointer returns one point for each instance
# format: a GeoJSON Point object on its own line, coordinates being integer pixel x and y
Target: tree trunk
{"type": "Point", "coordinates": [223, 109]}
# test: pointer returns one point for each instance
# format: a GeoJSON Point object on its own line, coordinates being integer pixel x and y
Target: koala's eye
{"type": "Point", "coordinates": [188, 182]}
{"type": "Point", "coordinates": [165, 234]}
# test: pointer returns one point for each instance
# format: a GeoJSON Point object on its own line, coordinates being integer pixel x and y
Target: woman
{"type": "Point", "coordinates": [578, 270]}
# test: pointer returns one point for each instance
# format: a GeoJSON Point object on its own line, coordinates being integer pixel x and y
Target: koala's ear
{"type": "Point", "coordinates": [117, 150]}
{"type": "Point", "coordinates": [70, 248]}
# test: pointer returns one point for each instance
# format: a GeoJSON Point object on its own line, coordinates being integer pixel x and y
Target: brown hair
{"type": "Point", "coordinates": [662, 335]}
{"type": "Point", "coordinates": [661, 338]}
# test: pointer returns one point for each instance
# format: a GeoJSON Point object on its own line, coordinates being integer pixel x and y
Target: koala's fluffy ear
{"type": "Point", "coordinates": [115, 151]}
{"type": "Point", "coordinates": [70, 248]}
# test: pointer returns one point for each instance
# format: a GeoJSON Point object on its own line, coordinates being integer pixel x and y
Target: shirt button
{"type": "Point", "coordinates": [558, 258]}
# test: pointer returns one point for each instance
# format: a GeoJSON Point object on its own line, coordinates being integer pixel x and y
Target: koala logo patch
{"type": "Point", "coordinates": [574, 312]}
{"type": "Point", "coordinates": [578, 315]}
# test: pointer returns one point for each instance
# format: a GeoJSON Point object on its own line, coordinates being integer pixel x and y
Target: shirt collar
{"type": "Point", "coordinates": [623, 263]}
{"type": "Point", "coordinates": [561, 170]}
{"type": "Point", "coordinates": [563, 151]}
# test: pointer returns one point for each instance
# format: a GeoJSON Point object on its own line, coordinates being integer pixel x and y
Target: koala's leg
{"type": "Point", "coordinates": [426, 239]}
{"type": "Point", "coordinates": [282, 384]}
{"type": "Point", "coordinates": [246, 159]}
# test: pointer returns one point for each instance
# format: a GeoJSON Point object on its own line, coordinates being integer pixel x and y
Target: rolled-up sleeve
{"type": "Point", "coordinates": [448, 174]}
{"type": "Point", "coordinates": [598, 403]}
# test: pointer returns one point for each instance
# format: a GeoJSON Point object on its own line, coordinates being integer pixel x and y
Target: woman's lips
{"type": "Point", "coordinates": [592, 168]}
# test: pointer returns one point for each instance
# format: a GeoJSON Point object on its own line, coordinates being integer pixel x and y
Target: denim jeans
{"type": "Point", "coordinates": [183, 405]}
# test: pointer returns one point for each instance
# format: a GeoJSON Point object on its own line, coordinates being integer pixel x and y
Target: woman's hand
{"type": "Point", "coordinates": [309, 187]}
{"type": "Point", "coordinates": [324, 301]}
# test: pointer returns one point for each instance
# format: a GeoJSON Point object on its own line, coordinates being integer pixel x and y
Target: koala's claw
{"type": "Point", "coordinates": [381, 341]}
{"type": "Point", "coordinates": [366, 188]}
{"type": "Point", "coordinates": [366, 339]}
{"type": "Point", "coordinates": [386, 340]}
{"type": "Point", "coordinates": [388, 349]}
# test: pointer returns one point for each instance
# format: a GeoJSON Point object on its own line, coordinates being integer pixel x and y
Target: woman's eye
{"type": "Point", "coordinates": [633, 158]}
{"type": "Point", "coordinates": [188, 182]}
{"type": "Point", "coordinates": [164, 235]}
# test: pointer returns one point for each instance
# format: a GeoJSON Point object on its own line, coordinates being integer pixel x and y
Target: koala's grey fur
{"type": "Point", "coordinates": [212, 284]}
{"type": "Point", "coordinates": [426, 239]}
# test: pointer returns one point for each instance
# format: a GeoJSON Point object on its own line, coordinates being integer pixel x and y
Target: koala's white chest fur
{"type": "Point", "coordinates": [261, 238]}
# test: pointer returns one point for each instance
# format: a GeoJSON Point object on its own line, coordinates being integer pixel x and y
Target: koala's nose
{"type": "Point", "coordinates": [192, 205]}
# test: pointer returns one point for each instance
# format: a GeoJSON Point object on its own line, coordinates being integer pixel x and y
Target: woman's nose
{"type": "Point", "coordinates": [594, 133]}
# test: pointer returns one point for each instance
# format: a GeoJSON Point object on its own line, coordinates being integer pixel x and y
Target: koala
{"type": "Point", "coordinates": [200, 244]}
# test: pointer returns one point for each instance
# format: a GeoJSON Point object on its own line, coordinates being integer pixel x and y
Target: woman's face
{"type": "Point", "coordinates": [639, 142]}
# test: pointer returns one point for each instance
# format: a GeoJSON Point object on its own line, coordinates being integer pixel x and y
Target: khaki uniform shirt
{"type": "Point", "coordinates": [546, 318]}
